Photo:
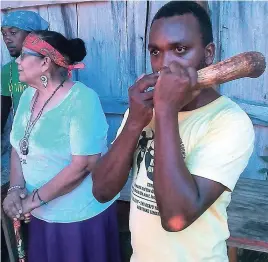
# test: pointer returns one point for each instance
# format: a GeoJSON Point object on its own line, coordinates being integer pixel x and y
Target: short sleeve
{"type": "Point", "coordinates": [88, 126]}
{"type": "Point", "coordinates": [223, 154]}
{"type": "Point", "coordinates": [5, 77]}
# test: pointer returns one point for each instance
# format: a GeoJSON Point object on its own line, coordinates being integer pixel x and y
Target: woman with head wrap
{"type": "Point", "coordinates": [16, 25]}
{"type": "Point", "coordinates": [58, 134]}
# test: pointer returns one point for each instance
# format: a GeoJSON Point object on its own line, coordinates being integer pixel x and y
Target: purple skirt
{"type": "Point", "coordinates": [92, 240]}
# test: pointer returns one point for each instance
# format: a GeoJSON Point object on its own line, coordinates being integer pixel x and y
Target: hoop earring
{"type": "Point", "coordinates": [44, 80]}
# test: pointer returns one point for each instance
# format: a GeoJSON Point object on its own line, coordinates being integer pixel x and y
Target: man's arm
{"type": "Point", "coordinates": [5, 110]}
{"type": "Point", "coordinates": [111, 172]}
{"type": "Point", "coordinates": [216, 163]}
{"type": "Point", "coordinates": [181, 197]}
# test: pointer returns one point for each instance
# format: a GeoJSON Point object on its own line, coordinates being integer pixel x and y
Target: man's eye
{"type": "Point", "coordinates": [4, 34]}
{"type": "Point", "coordinates": [180, 49]}
{"type": "Point", "coordinates": [13, 33]}
{"type": "Point", "coordinates": [154, 52]}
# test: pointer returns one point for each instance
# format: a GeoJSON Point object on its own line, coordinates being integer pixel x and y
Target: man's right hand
{"type": "Point", "coordinates": [12, 204]}
{"type": "Point", "coordinates": [141, 102]}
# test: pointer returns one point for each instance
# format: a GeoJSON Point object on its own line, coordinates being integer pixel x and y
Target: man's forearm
{"type": "Point", "coordinates": [111, 172]}
{"type": "Point", "coordinates": [175, 189]}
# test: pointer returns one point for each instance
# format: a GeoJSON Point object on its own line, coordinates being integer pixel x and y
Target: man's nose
{"type": "Point", "coordinates": [167, 60]}
{"type": "Point", "coordinates": [8, 39]}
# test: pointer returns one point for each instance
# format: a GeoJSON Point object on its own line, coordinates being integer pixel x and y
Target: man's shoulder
{"type": "Point", "coordinates": [5, 78]}
{"type": "Point", "coordinates": [6, 68]}
{"type": "Point", "coordinates": [229, 111]}
{"type": "Point", "coordinates": [232, 124]}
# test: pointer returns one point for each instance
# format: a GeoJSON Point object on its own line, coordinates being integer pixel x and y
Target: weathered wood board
{"type": "Point", "coordinates": [237, 30]}
{"type": "Point", "coordinates": [24, 4]}
{"type": "Point", "coordinates": [248, 216]}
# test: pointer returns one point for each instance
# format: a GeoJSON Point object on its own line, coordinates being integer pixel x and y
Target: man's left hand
{"type": "Point", "coordinates": [175, 88]}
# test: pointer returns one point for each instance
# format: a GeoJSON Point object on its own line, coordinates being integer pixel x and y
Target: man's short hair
{"type": "Point", "coordinates": [174, 8]}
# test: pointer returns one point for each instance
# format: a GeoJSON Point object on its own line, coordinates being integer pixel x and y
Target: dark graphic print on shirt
{"type": "Point", "coordinates": [143, 194]}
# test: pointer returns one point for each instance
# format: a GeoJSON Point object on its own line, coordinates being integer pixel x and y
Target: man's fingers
{"type": "Point", "coordinates": [147, 95]}
{"type": "Point", "coordinates": [147, 81]}
{"type": "Point", "coordinates": [196, 93]}
{"type": "Point", "coordinates": [178, 65]}
{"type": "Point", "coordinates": [165, 69]}
{"type": "Point", "coordinates": [175, 67]}
{"type": "Point", "coordinates": [140, 77]}
{"type": "Point", "coordinates": [184, 73]}
{"type": "Point", "coordinates": [149, 103]}
{"type": "Point", "coordinates": [193, 76]}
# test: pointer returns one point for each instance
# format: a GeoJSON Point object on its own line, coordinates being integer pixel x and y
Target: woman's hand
{"type": "Point", "coordinates": [12, 204]}
{"type": "Point", "coordinates": [29, 204]}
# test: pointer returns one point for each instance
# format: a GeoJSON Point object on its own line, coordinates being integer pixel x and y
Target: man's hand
{"type": "Point", "coordinates": [141, 102]}
{"type": "Point", "coordinates": [175, 88]}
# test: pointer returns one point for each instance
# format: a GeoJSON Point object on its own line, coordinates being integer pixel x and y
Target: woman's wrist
{"type": "Point", "coordinates": [36, 199]}
{"type": "Point", "coordinates": [15, 187]}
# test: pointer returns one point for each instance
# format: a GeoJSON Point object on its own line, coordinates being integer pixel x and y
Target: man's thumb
{"type": "Point", "coordinates": [140, 77]}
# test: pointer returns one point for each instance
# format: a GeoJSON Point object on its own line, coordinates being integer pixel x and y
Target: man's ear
{"type": "Point", "coordinates": [209, 53]}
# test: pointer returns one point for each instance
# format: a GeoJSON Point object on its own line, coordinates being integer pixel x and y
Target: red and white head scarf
{"type": "Point", "coordinates": [35, 43]}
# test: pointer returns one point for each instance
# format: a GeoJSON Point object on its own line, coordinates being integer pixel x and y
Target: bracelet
{"type": "Point", "coordinates": [14, 187]}
{"type": "Point", "coordinates": [35, 192]}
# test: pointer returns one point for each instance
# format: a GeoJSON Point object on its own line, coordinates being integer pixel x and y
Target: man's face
{"type": "Point", "coordinates": [13, 38]}
{"type": "Point", "coordinates": [179, 39]}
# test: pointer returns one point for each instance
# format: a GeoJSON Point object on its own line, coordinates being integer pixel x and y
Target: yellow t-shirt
{"type": "Point", "coordinates": [217, 142]}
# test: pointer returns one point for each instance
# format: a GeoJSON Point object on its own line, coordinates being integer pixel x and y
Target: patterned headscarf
{"type": "Point", "coordinates": [25, 20]}
{"type": "Point", "coordinates": [35, 43]}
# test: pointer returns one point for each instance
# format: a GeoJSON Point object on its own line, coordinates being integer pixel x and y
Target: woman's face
{"type": "Point", "coordinates": [29, 66]}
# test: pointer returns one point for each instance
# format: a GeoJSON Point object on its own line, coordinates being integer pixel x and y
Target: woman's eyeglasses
{"type": "Point", "coordinates": [23, 53]}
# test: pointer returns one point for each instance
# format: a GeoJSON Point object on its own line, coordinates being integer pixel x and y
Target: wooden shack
{"type": "Point", "coordinates": [116, 37]}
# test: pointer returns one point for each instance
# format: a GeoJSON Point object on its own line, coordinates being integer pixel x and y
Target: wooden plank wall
{"type": "Point", "coordinates": [116, 36]}
{"type": "Point", "coordinates": [237, 30]}
{"type": "Point", "coordinates": [22, 4]}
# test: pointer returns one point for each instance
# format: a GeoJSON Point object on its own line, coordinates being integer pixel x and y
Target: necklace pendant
{"type": "Point", "coordinates": [23, 159]}
{"type": "Point", "coordinates": [24, 146]}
